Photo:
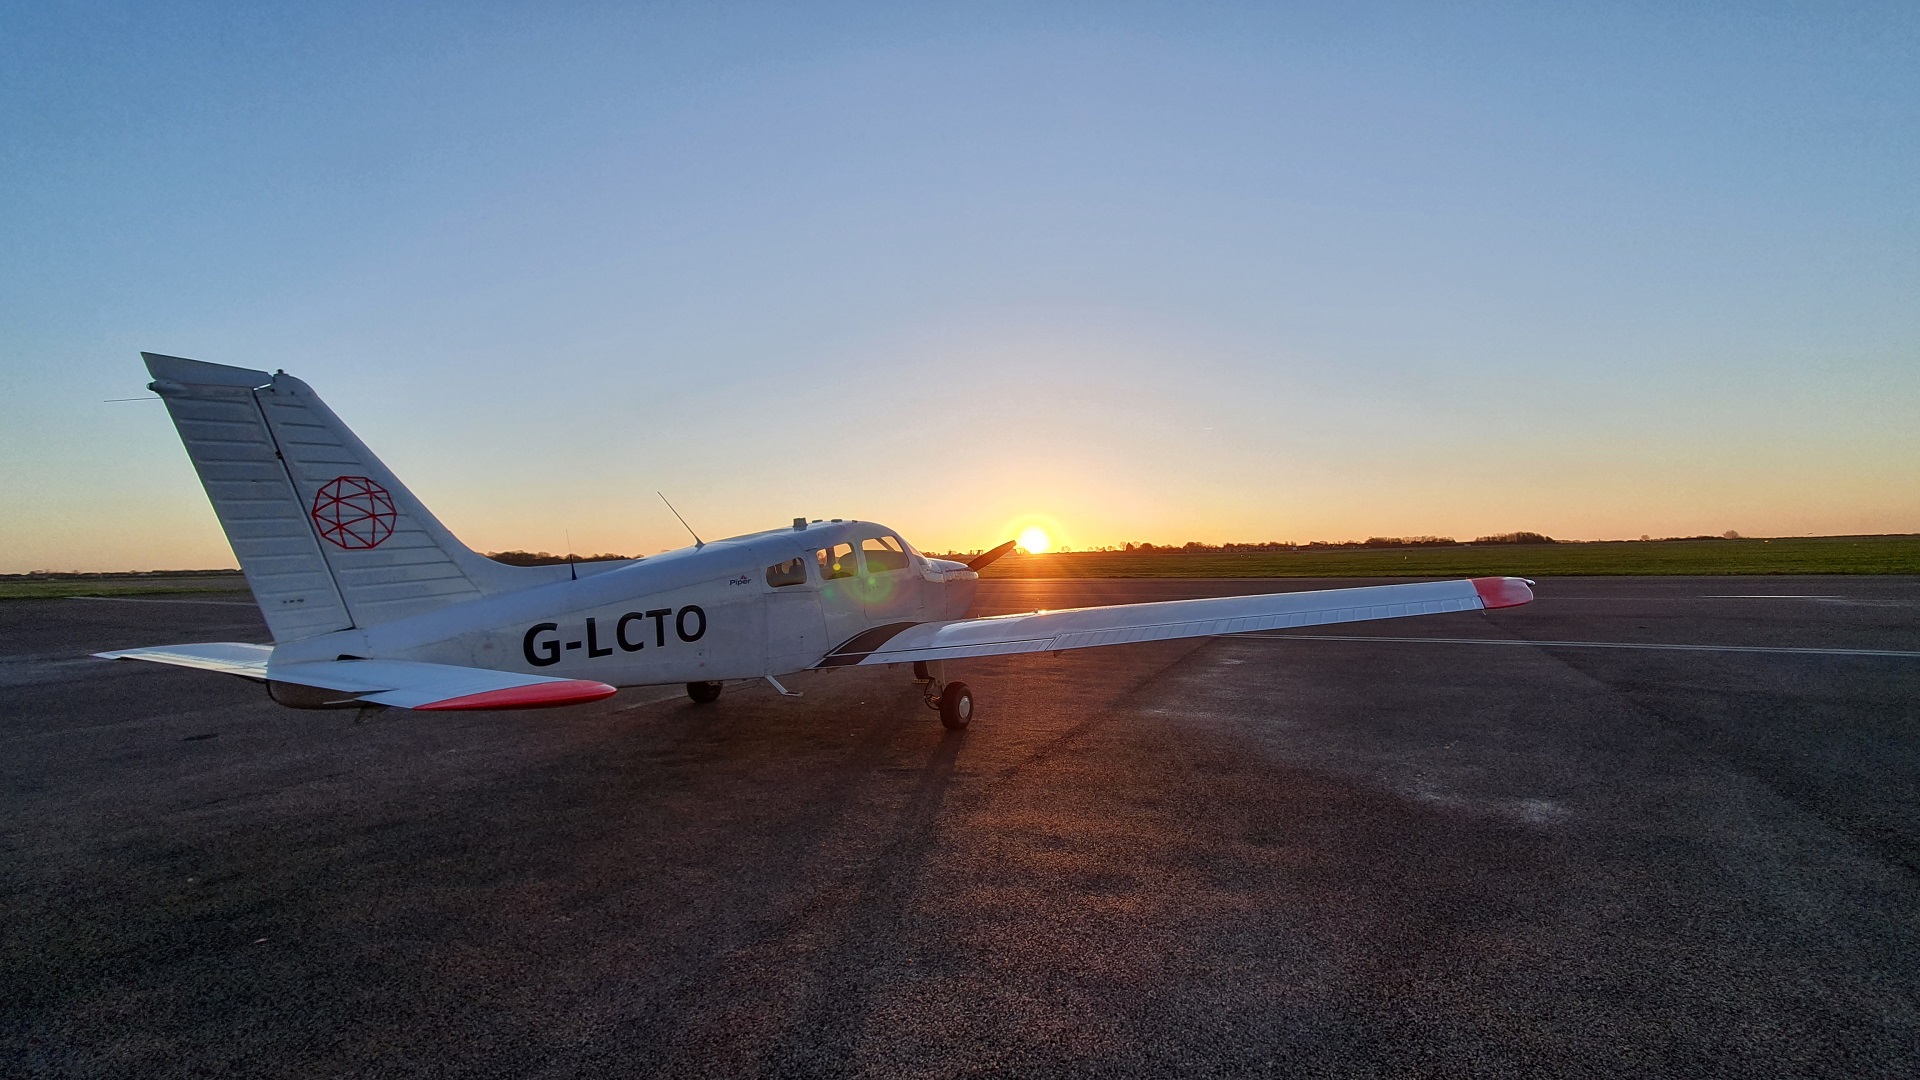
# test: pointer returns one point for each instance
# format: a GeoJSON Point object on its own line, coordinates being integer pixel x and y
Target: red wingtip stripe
{"type": "Point", "coordinates": [1498, 592]}
{"type": "Point", "coordinates": [532, 696]}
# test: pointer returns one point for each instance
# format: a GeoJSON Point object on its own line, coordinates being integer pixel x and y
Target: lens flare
{"type": "Point", "coordinates": [1035, 540]}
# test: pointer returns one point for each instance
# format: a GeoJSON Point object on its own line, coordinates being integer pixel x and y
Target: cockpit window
{"type": "Point", "coordinates": [835, 562]}
{"type": "Point", "coordinates": [883, 553]}
{"type": "Point", "coordinates": [791, 572]}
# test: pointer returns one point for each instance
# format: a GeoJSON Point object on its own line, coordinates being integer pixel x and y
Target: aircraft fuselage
{"type": "Point", "coordinates": [764, 604]}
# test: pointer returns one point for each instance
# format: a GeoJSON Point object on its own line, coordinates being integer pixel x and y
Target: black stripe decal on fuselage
{"type": "Point", "coordinates": [862, 645]}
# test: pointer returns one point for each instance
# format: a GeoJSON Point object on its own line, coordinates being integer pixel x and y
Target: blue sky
{"type": "Point", "coordinates": [1142, 272]}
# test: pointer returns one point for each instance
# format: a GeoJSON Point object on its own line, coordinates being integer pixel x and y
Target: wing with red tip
{"type": "Point", "coordinates": [1120, 624]}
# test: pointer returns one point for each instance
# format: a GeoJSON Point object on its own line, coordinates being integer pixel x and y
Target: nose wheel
{"type": "Point", "coordinates": [953, 700]}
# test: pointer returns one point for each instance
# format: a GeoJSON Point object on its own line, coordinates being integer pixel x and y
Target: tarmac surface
{"type": "Point", "coordinates": [1260, 855]}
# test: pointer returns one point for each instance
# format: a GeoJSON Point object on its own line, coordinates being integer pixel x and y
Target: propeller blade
{"type": "Point", "coordinates": [985, 559]}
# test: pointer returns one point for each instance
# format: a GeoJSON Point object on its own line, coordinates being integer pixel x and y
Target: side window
{"type": "Point", "coordinates": [883, 553]}
{"type": "Point", "coordinates": [791, 572]}
{"type": "Point", "coordinates": [835, 562]}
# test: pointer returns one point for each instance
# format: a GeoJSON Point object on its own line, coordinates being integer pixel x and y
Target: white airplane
{"type": "Point", "coordinates": [371, 601]}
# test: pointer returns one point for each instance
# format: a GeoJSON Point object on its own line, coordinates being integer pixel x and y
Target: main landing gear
{"type": "Point", "coordinates": [952, 699]}
{"type": "Point", "coordinates": [703, 693]}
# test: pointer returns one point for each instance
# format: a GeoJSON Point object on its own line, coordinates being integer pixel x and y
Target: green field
{"type": "Point", "coordinates": [1797, 555]}
{"type": "Point", "coordinates": [164, 583]}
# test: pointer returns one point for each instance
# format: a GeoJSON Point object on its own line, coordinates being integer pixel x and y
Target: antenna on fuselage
{"type": "Point", "coordinates": [697, 542]}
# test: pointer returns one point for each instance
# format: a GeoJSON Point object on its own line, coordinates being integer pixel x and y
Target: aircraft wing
{"type": "Point", "coordinates": [400, 683]}
{"type": "Point", "coordinates": [1120, 624]}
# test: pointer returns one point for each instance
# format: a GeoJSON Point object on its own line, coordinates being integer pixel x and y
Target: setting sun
{"type": "Point", "coordinates": [1035, 540]}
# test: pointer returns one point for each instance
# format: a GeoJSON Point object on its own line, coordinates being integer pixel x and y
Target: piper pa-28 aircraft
{"type": "Point", "coordinates": [371, 601]}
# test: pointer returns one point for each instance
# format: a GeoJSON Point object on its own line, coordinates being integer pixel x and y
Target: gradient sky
{"type": "Point", "coordinates": [1144, 272]}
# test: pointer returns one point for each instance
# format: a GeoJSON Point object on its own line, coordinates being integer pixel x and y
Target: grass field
{"type": "Point", "coordinates": [1801, 555]}
{"type": "Point", "coordinates": [1804, 555]}
{"type": "Point", "coordinates": [164, 583]}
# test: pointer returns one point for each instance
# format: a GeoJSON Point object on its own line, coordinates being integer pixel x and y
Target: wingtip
{"type": "Point", "coordinates": [1500, 592]}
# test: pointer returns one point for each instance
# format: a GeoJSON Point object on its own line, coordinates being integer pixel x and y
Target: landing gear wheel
{"type": "Point", "coordinates": [703, 692]}
{"type": "Point", "coordinates": [956, 706]}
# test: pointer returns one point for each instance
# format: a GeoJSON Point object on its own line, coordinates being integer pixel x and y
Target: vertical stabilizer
{"type": "Point", "coordinates": [328, 538]}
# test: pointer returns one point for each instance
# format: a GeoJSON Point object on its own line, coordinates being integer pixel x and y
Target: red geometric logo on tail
{"type": "Point", "coordinates": [353, 513]}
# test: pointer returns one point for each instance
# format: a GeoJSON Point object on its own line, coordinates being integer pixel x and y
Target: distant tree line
{"type": "Point", "coordinates": [1516, 538]}
{"type": "Point", "coordinates": [94, 575]}
{"type": "Point", "coordinates": [547, 558]}
{"type": "Point", "coordinates": [1193, 546]}
{"type": "Point", "coordinates": [1728, 535]}
{"type": "Point", "coordinates": [1197, 547]}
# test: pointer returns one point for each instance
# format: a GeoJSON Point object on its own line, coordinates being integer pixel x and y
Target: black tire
{"type": "Point", "coordinates": [703, 693]}
{"type": "Point", "coordinates": [956, 706]}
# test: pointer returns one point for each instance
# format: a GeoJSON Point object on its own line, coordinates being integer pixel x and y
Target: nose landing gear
{"type": "Point", "coordinates": [953, 700]}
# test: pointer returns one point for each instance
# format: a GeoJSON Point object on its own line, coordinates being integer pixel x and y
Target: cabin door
{"type": "Point", "coordinates": [840, 595]}
{"type": "Point", "coordinates": [796, 634]}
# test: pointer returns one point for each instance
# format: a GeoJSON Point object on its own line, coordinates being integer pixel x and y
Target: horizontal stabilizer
{"type": "Point", "coordinates": [439, 687]}
{"type": "Point", "coordinates": [230, 657]}
{"type": "Point", "coordinates": [1121, 624]}
{"type": "Point", "coordinates": [400, 683]}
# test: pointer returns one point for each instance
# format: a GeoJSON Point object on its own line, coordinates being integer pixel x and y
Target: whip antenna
{"type": "Point", "coordinates": [697, 542]}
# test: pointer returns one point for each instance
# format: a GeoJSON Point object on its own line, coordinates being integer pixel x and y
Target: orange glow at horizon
{"type": "Point", "coordinates": [1035, 540]}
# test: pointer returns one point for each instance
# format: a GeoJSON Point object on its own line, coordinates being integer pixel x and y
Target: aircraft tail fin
{"type": "Point", "coordinates": [328, 538]}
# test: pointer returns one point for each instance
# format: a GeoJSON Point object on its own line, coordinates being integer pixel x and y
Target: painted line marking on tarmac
{"type": "Point", "coordinates": [157, 600]}
{"type": "Point", "coordinates": [1708, 596]}
{"type": "Point", "coordinates": [1770, 596]}
{"type": "Point", "coordinates": [657, 698]}
{"type": "Point", "coordinates": [1856, 601]}
{"type": "Point", "coordinates": [1767, 649]}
